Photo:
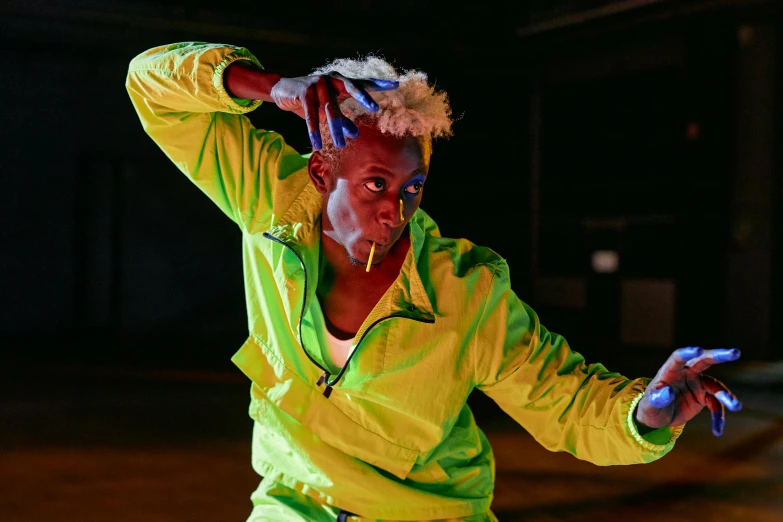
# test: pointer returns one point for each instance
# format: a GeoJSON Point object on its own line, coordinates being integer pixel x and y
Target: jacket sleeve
{"type": "Point", "coordinates": [566, 404]}
{"type": "Point", "coordinates": [178, 93]}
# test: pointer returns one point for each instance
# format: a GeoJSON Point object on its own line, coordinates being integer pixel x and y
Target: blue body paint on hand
{"type": "Point", "coordinates": [662, 397]}
{"type": "Point", "coordinates": [315, 140]}
{"type": "Point", "coordinates": [725, 355]}
{"type": "Point", "coordinates": [350, 129]}
{"type": "Point", "coordinates": [368, 103]}
{"type": "Point", "coordinates": [690, 352]}
{"type": "Point", "coordinates": [336, 130]}
{"type": "Point", "coordinates": [717, 423]}
{"type": "Point", "coordinates": [385, 85]}
{"type": "Point", "coordinates": [728, 400]}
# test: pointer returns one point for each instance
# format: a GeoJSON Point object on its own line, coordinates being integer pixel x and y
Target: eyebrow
{"type": "Point", "coordinates": [382, 170]}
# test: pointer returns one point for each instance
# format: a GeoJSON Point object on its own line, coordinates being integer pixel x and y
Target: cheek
{"type": "Point", "coordinates": [342, 213]}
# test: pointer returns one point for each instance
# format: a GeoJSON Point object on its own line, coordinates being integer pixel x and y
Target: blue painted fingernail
{"type": "Point", "coordinates": [726, 355]}
{"type": "Point", "coordinates": [350, 129]}
{"type": "Point", "coordinates": [386, 84]}
{"type": "Point", "coordinates": [336, 129]}
{"type": "Point", "coordinates": [315, 140]}
{"type": "Point", "coordinates": [717, 424]}
{"type": "Point", "coordinates": [728, 400]}
{"type": "Point", "coordinates": [690, 352]}
{"type": "Point", "coordinates": [662, 398]}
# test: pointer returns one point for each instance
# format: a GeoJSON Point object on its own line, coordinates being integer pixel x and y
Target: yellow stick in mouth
{"type": "Point", "coordinates": [372, 252]}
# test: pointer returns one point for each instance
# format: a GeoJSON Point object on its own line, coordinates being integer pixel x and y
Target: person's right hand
{"type": "Point", "coordinates": [316, 97]}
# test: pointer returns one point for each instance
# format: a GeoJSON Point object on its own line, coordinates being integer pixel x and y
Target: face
{"type": "Point", "coordinates": [362, 194]}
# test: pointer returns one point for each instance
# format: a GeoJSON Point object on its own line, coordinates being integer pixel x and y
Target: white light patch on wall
{"type": "Point", "coordinates": [606, 261]}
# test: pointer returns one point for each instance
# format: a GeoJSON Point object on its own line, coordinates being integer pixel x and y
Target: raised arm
{"type": "Point", "coordinates": [179, 94]}
{"type": "Point", "coordinates": [191, 99]}
{"type": "Point", "coordinates": [566, 404]}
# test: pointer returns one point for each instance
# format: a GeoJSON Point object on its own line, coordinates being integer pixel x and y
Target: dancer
{"type": "Point", "coordinates": [367, 329]}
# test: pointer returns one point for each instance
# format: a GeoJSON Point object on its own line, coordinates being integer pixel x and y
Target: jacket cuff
{"type": "Point", "coordinates": [658, 440]}
{"type": "Point", "coordinates": [236, 105]}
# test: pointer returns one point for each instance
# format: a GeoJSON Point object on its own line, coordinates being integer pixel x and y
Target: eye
{"type": "Point", "coordinates": [414, 188]}
{"type": "Point", "coordinates": [376, 185]}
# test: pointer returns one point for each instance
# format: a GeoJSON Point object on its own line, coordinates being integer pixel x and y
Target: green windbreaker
{"type": "Point", "coordinates": [390, 436]}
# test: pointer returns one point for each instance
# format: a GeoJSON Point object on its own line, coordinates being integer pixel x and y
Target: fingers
{"type": "Point", "coordinates": [357, 92]}
{"type": "Point", "coordinates": [350, 129]}
{"type": "Point", "coordinates": [721, 392]}
{"type": "Point", "coordinates": [310, 107]}
{"type": "Point", "coordinates": [334, 117]}
{"type": "Point", "coordinates": [375, 84]}
{"type": "Point", "coordinates": [710, 357]}
{"type": "Point", "coordinates": [718, 415]}
{"type": "Point", "coordinates": [662, 397]}
{"type": "Point", "coordinates": [679, 358]}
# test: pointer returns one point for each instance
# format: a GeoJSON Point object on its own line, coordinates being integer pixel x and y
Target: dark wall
{"type": "Point", "coordinates": [111, 255]}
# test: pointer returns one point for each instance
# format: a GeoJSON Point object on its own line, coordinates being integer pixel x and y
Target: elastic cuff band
{"type": "Point", "coordinates": [646, 444]}
{"type": "Point", "coordinates": [237, 105]}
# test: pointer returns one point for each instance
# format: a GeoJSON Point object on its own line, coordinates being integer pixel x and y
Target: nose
{"type": "Point", "coordinates": [390, 211]}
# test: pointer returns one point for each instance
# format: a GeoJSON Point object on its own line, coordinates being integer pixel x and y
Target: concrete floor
{"type": "Point", "coordinates": [149, 446]}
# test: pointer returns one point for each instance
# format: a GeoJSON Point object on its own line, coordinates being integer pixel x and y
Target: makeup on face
{"type": "Point", "coordinates": [378, 176]}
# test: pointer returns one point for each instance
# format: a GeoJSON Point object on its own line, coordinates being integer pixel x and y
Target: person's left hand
{"type": "Point", "coordinates": [679, 390]}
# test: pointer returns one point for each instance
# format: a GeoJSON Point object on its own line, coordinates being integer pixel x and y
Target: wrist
{"type": "Point", "coordinates": [242, 79]}
{"type": "Point", "coordinates": [641, 427]}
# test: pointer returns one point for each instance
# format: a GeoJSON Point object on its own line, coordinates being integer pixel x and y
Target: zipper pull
{"type": "Point", "coordinates": [327, 391]}
{"type": "Point", "coordinates": [324, 377]}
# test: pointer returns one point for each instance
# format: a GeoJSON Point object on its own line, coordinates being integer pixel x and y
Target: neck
{"type": "Point", "coordinates": [347, 292]}
{"type": "Point", "coordinates": [336, 264]}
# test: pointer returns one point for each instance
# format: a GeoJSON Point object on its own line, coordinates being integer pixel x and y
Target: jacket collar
{"type": "Point", "coordinates": [300, 228]}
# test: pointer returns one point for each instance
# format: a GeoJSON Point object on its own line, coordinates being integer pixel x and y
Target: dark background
{"type": "Point", "coordinates": [651, 129]}
{"type": "Point", "coordinates": [646, 128]}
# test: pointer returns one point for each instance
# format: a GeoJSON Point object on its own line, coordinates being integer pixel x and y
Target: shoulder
{"type": "Point", "coordinates": [456, 258]}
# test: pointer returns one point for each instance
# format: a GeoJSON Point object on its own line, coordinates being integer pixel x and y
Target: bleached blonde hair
{"type": "Point", "coordinates": [415, 108]}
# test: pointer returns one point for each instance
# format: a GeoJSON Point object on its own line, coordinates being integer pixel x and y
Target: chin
{"type": "Point", "coordinates": [358, 258]}
{"type": "Point", "coordinates": [354, 261]}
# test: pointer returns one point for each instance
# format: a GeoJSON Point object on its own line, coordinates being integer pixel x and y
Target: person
{"type": "Point", "coordinates": [367, 329]}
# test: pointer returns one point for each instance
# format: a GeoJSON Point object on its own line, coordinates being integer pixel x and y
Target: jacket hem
{"type": "Point", "coordinates": [465, 509]}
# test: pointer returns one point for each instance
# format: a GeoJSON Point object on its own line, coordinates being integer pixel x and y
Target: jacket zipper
{"type": "Point", "coordinates": [330, 384]}
{"type": "Point", "coordinates": [324, 378]}
{"type": "Point", "coordinates": [304, 304]}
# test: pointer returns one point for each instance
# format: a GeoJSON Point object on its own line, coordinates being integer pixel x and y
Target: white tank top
{"type": "Point", "coordinates": [333, 351]}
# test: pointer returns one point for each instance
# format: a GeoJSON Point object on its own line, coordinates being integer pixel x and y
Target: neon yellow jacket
{"type": "Point", "coordinates": [394, 439]}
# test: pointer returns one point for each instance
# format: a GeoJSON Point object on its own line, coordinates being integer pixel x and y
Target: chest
{"type": "Point", "coordinates": [347, 303]}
